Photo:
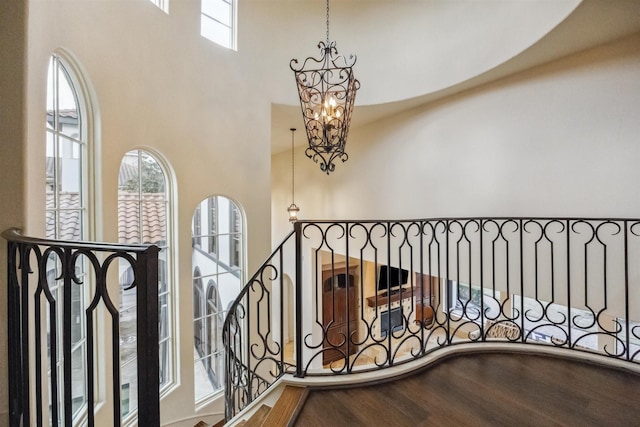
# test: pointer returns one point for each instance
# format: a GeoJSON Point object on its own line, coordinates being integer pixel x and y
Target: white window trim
{"type": "Point", "coordinates": [90, 187]}
{"type": "Point", "coordinates": [242, 266]}
{"type": "Point", "coordinates": [233, 35]}
{"type": "Point", "coordinates": [172, 274]}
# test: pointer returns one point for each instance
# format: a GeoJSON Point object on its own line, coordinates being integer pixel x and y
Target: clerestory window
{"type": "Point", "coordinates": [162, 4]}
{"type": "Point", "coordinates": [218, 22]}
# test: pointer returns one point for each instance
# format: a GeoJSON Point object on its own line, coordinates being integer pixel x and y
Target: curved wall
{"type": "Point", "coordinates": [404, 48]}
{"type": "Point", "coordinates": [557, 140]}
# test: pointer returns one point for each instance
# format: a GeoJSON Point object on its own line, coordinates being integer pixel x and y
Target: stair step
{"type": "Point", "coordinates": [287, 406]}
{"type": "Point", "coordinates": [201, 424]}
{"type": "Point", "coordinates": [258, 418]}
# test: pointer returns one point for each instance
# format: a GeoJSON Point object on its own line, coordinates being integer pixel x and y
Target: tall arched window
{"type": "Point", "coordinates": [218, 259]}
{"type": "Point", "coordinates": [143, 217]}
{"type": "Point", "coordinates": [66, 213]}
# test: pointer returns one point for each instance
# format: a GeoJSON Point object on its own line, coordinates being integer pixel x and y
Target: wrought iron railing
{"type": "Point", "coordinates": [356, 296]}
{"type": "Point", "coordinates": [43, 309]}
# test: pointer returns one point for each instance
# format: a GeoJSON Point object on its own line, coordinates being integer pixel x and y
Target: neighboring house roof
{"type": "Point", "coordinates": [66, 116]}
{"type": "Point", "coordinates": [69, 216]}
{"type": "Point", "coordinates": [153, 209]}
{"type": "Point", "coordinates": [127, 171]}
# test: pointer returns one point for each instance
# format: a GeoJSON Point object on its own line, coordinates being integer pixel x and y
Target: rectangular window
{"type": "Point", "coordinates": [218, 22]}
{"type": "Point", "coordinates": [162, 4]}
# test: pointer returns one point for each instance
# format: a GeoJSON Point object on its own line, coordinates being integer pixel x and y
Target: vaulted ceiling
{"type": "Point", "coordinates": [411, 52]}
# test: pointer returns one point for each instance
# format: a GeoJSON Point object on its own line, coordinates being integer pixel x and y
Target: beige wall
{"type": "Point", "coordinates": [558, 140]}
{"type": "Point", "coordinates": [13, 47]}
{"type": "Point", "coordinates": [157, 84]}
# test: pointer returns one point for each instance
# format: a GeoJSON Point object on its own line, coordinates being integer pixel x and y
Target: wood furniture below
{"type": "Point", "coordinates": [339, 313]}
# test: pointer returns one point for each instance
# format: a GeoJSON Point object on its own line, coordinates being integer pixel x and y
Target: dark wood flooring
{"type": "Point", "coordinates": [487, 389]}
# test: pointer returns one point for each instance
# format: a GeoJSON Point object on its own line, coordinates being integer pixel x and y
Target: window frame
{"type": "Point", "coordinates": [82, 145]}
{"type": "Point", "coordinates": [167, 274]}
{"type": "Point", "coordinates": [163, 5]}
{"type": "Point", "coordinates": [214, 269]}
{"type": "Point", "coordinates": [231, 28]}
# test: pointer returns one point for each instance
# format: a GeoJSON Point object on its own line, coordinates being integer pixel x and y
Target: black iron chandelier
{"type": "Point", "coordinates": [327, 90]}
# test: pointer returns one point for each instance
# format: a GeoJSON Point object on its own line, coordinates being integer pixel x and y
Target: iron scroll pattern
{"type": "Point", "coordinates": [35, 266]}
{"type": "Point", "coordinates": [566, 283]}
{"type": "Point", "coordinates": [254, 356]}
{"type": "Point", "coordinates": [318, 80]}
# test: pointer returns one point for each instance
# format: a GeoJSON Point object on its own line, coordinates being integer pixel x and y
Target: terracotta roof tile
{"type": "Point", "coordinates": [152, 205]}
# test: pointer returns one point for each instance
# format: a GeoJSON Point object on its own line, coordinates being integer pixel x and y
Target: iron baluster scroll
{"type": "Point", "coordinates": [347, 297]}
{"type": "Point", "coordinates": [35, 268]}
{"type": "Point", "coordinates": [327, 90]}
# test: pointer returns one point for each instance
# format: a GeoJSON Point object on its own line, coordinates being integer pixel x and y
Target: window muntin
{"type": "Point", "coordinates": [217, 280]}
{"type": "Point", "coordinates": [218, 22]}
{"type": "Point", "coordinates": [235, 238]}
{"type": "Point", "coordinates": [66, 218]}
{"type": "Point", "coordinates": [143, 217]}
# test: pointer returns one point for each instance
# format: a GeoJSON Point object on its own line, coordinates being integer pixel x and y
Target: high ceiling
{"type": "Point", "coordinates": [411, 52]}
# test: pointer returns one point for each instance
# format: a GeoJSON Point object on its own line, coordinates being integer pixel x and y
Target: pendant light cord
{"type": "Point", "coordinates": [293, 170]}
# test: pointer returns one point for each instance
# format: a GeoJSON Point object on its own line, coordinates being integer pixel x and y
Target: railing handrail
{"type": "Point", "coordinates": [512, 262]}
{"type": "Point", "coordinates": [15, 235]}
{"type": "Point", "coordinates": [29, 295]}
{"type": "Point", "coordinates": [465, 218]}
{"type": "Point", "coordinates": [246, 287]}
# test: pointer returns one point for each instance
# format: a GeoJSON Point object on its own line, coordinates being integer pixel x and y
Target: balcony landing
{"type": "Point", "coordinates": [486, 389]}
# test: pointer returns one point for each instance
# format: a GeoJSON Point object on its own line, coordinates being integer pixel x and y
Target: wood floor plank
{"type": "Point", "coordinates": [487, 389]}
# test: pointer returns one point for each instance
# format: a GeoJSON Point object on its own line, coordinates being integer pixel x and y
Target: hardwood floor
{"type": "Point", "coordinates": [487, 389]}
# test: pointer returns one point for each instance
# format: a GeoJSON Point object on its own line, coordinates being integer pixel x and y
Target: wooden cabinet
{"type": "Point", "coordinates": [339, 313]}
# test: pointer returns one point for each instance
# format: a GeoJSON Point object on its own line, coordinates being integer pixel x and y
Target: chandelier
{"type": "Point", "coordinates": [327, 90]}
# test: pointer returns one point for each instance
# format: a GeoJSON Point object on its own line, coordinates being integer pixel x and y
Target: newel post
{"type": "Point", "coordinates": [297, 227]}
{"type": "Point", "coordinates": [147, 333]}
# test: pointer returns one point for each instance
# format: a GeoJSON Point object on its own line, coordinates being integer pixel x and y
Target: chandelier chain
{"type": "Point", "coordinates": [327, 23]}
{"type": "Point", "coordinates": [293, 169]}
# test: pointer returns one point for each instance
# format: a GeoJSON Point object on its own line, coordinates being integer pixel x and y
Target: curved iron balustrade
{"type": "Point", "coordinates": [93, 266]}
{"type": "Point", "coordinates": [571, 283]}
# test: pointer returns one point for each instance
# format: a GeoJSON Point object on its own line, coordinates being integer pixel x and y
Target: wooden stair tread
{"type": "Point", "coordinates": [286, 407]}
{"type": "Point", "coordinates": [258, 418]}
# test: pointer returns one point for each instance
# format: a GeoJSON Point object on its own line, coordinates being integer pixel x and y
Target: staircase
{"type": "Point", "coordinates": [282, 414]}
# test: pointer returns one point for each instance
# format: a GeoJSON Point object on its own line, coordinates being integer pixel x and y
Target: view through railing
{"type": "Point", "coordinates": [64, 331]}
{"type": "Point", "coordinates": [338, 297]}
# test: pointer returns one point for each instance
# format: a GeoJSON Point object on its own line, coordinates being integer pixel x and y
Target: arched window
{"type": "Point", "coordinates": [218, 259]}
{"type": "Point", "coordinates": [66, 209]}
{"type": "Point", "coordinates": [143, 217]}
